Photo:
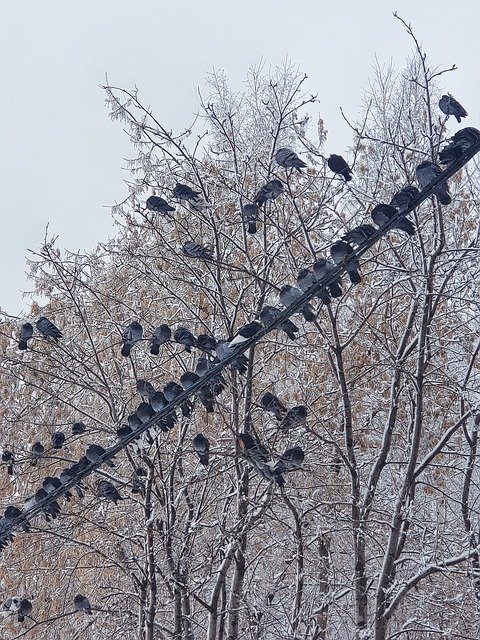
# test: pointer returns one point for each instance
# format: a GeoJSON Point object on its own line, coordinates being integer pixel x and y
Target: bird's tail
{"type": "Point", "coordinates": [22, 345]}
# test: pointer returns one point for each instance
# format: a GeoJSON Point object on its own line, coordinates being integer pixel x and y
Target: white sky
{"type": "Point", "coordinates": [62, 159]}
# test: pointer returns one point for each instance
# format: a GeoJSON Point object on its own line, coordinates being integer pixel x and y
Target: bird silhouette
{"type": "Point", "coordinates": [338, 165]}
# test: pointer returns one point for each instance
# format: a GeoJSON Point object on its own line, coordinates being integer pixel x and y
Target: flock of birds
{"type": "Point", "coordinates": [213, 351]}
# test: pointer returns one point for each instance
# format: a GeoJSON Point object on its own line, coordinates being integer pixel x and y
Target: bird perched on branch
{"type": "Point", "coordinates": [184, 192]}
{"type": "Point", "coordinates": [258, 458]}
{"type": "Point", "coordinates": [427, 172]}
{"type": "Point", "coordinates": [106, 489]}
{"type": "Point", "coordinates": [295, 416]}
{"type": "Point", "coordinates": [132, 334]}
{"type": "Point", "coordinates": [185, 337]}
{"type": "Point", "coordinates": [291, 460]}
{"type": "Point", "coordinates": [250, 215]}
{"type": "Point", "coordinates": [274, 405]}
{"type": "Point", "coordinates": [78, 428]}
{"type": "Point", "coordinates": [245, 333]}
{"type": "Point", "coordinates": [288, 159]}
{"type": "Point", "coordinates": [201, 446]}
{"type": "Point", "coordinates": [269, 314]}
{"type": "Point", "coordinates": [269, 191]}
{"type": "Point", "coordinates": [37, 452]}
{"type": "Point", "coordinates": [382, 214]}
{"type": "Point", "coordinates": [161, 335]}
{"type": "Point", "coordinates": [288, 295]}
{"type": "Point", "coordinates": [26, 332]}
{"type": "Point", "coordinates": [159, 205]}
{"type": "Point", "coordinates": [58, 439]}
{"type": "Point", "coordinates": [403, 198]}
{"type": "Point", "coordinates": [8, 459]}
{"type": "Point", "coordinates": [452, 107]}
{"type": "Point", "coordinates": [338, 165]}
{"type": "Point", "coordinates": [359, 235]}
{"type": "Point", "coordinates": [323, 268]}
{"type": "Point", "coordinates": [82, 604]}
{"type": "Point", "coordinates": [342, 253]}
{"type": "Point", "coordinates": [194, 250]}
{"type": "Point", "coordinates": [48, 329]}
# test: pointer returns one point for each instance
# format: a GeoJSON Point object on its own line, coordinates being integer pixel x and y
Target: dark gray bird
{"type": "Point", "coordinates": [185, 337]}
{"type": "Point", "coordinates": [132, 334]}
{"type": "Point", "coordinates": [452, 107]}
{"type": "Point", "coordinates": [105, 489]}
{"type": "Point", "coordinates": [294, 417]}
{"type": "Point", "coordinates": [145, 388]}
{"type": "Point", "coordinates": [58, 439]}
{"type": "Point", "coordinates": [250, 215]}
{"type": "Point", "coordinates": [37, 452]}
{"type": "Point", "coordinates": [26, 332]}
{"type": "Point", "coordinates": [306, 279]}
{"type": "Point", "coordinates": [78, 428]}
{"type": "Point", "coordinates": [52, 484]}
{"type": "Point", "coordinates": [427, 172]}
{"type": "Point", "coordinates": [48, 329]}
{"type": "Point", "coordinates": [158, 402]}
{"type": "Point", "coordinates": [12, 513]}
{"type": "Point", "coordinates": [201, 446]}
{"type": "Point", "coordinates": [138, 482]}
{"type": "Point", "coordinates": [223, 351]}
{"type": "Point", "coordinates": [322, 269]}
{"type": "Point", "coordinates": [124, 431]}
{"type": "Point", "coordinates": [382, 214]}
{"type": "Point", "coordinates": [145, 412]}
{"type": "Point", "coordinates": [291, 460]}
{"type": "Point", "coordinates": [188, 379]}
{"type": "Point", "coordinates": [338, 165]}
{"type": "Point", "coordinates": [159, 205]}
{"type": "Point", "coordinates": [269, 314]}
{"type": "Point", "coordinates": [288, 159]}
{"type": "Point", "coordinates": [70, 474]}
{"type": "Point", "coordinates": [450, 153]}
{"type": "Point", "coordinates": [134, 421]}
{"type": "Point", "coordinates": [358, 235]}
{"type": "Point", "coordinates": [204, 394]}
{"type": "Point", "coordinates": [171, 390]}
{"type": "Point", "coordinates": [7, 458]}
{"type": "Point", "coordinates": [184, 192]}
{"type": "Point", "coordinates": [95, 453]}
{"type": "Point", "coordinates": [206, 343]}
{"type": "Point", "coordinates": [245, 333]}
{"type": "Point", "coordinates": [342, 253]}
{"type": "Point", "coordinates": [288, 295]}
{"type": "Point", "coordinates": [194, 250]}
{"type": "Point", "coordinates": [161, 335]}
{"type": "Point", "coordinates": [269, 191]}
{"type": "Point", "coordinates": [274, 405]}
{"type": "Point", "coordinates": [24, 610]}
{"type": "Point", "coordinates": [403, 198]}
{"type": "Point", "coordinates": [82, 604]}
{"type": "Point", "coordinates": [217, 383]}
{"type": "Point", "coordinates": [51, 509]}
{"type": "Point", "coordinates": [258, 457]}
{"type": "Point", "coordinates": [465, 138]}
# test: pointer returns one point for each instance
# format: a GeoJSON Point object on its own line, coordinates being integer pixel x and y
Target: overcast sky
{"type": "Point", "coordinates": [62, 159]}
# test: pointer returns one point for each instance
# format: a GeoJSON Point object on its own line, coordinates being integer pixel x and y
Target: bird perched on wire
{"type": "Point", "coordinates": [359, 235]}
{"type": "Point", "coordinates": [206, 343]}
{"type": "Point", "coordinates": [273, 404]}
{"type": "Point", "coordinates": [427, 172]}
{"type": "Point", "coordinates": [250, 215]}
{"type": "Point", "coordinates": [452, 107]}
{"type": "Point", "coordinates": [48, 329]}
{"type": "Point", "coordinates": [342, 253]}
{"type": "Point", "coordinates": [159, 205]}
{"type": "Point", "coordinates": [291, 460]}
{"type": "Point", "coordinates": [66, 475]}
{"type": "Point", "coordinates": [258, 458]}
{"type": "Point", "coordinates": [26, 332]}
{"type": "Point", "coordinates": [194, 250]}
{"type": "Point", "coordinates": [58, 439]}
{"type": "Point", "coordinates": [145, 388]}
{"type": "Point", "coordinates": [223, 351]}
{"type": "Point", "coordinates": [322, 269]}
{"type": "Point", "coordinates": [37, 452]}
{"type": "Point", "coordinates": [217, 383]}
{"type": "Point", "coordinates": [158, 402]}
{"type": "Point", "coordinates": [171, 391]}
{"type": "Point", "coordinates": [269, 314]}
{"type": "Point", "coordinates": [245, 333]}
{"type": "Point", "coordinates": [184, 192]}
{"type": "Point", "coordinates": [294, 417]}
{"type": "Point", "coordinates": [12, 513]}
{"type": "Point", "coordinates": [306, 279]}
{"type": "Point", "coordinates": [288, 295]}
{"type": "Point", "coordinates": [465, 138]}
{"type": "Point", "coordinates": [105, 489]}
{"type": "Point", "coordinates": [269, 191]}
{"type": "Point", "coordinates": [201, 446]}
{"type": "Point", "coordinates": [185, 337]}
{"type": "Point", "coordinates": [382, 214]}
{"type": "Point", "coordinates": [50, 510]}
{"type": "Point", "coordinates": [338, 165]}
{"type": "Point", "coordinates": [288, 159]}
{"type": "Point", "coordinates": [204, 394]}
{"type": "Point", "coordinates": [145, 412]}
{"type": "Point", "coordinates": [132, 334]}
{"type": "Point", "coordinates": [403, 198]}
{"type": "Point", "coordinates": [95, 453]}
{"type": "Point", "coordinates": [82, 604]}
{"type": "Point", "coordinates": [52, 484]}
{"type": "Point", "coordinates": [161, 335]}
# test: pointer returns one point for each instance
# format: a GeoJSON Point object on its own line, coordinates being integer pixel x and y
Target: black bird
{"type": "Point", "coordinates": [188, 378]}
{"type": "Point", "coordinates": [295, 416]}
{"type": "Point", "coordinates": [161, 335]}
{"type": "Point", "coordinates": [78, 428]}
{"type": "Point", "coordinates": [58, 439]}
{"type": "Point", "coordinates": [258, 457]}
{"type": "Point", "coordinates": [171, 390]}
{"type": "Point", "coordinates": [134, 421]}
{"type": "Point", "coordinates": [106, 489]}
{"type": "Point", "coordinates": [274, 405]}
{"type": "Point", "coordinates": [82, 604]}
{"type": "Point", "coordinates": [306, 279]}
{"type": "Point", "coordinates": [269, 191]}
{"type": "Point", "coordinates": [24, 610]}
{"type": "Point", "coordinates": [206, 343]}
{"type": "Point", "coordinates": [358, 235]}
{"type": "Point", "coordinates": [323, 268]}
{"type": "Point", "coordinates": [7, 458]}
{"type": "Point", "coordinates": [124, 431]}
{"type": "Point", "coordinates": [291, 460]}
{"type": "Point", "coordinates": [201, 446]}
{"type": "Point", "coordinates": [465, 138]}
{"type": "Point", "coordinates": [11, 513]}
{"type": "Point", "coordinates": [268, 314]}
{"type": "Point", "coordinates": [245, 333]}
{"type": "Point", "coordinates": [427, 172]}
{"type": "Point", "coordinates": [158, 402]}
{"type": "Point", "coordinates": [452, 107]}
{"type": "Point", "coordinates": [26, 332]}
{"type": "Point", "coordinates": [223, 351]}
{"type": "Point", "coordinates": [342, 253]}
{"type": "Point", "coordinates": [337, 164]}
{"type": "Point", "coordinates": [145, 412]}
{"type": "Point", "coordinates": [383, 213]}
{"type": "Point", "coordinates": [288, 295]}
{"type": "Point", "coordinates": [145, 388]}
{"type": "Point", "coordinates": [402, 199]}
{"type": "Point", "coordinates": [132, 334]}
{"type": "Point", "coordinates": [250, 215]}
{"type": "Point", "coordinates": [37, 452]}
{"type": "Point", "coordinates": [450, 153]}
{"type": "Point", "coordinates": [184, 192]}
{"type": "Point", "coordinates": [51, 509]}
{"type": "Point", "coordinates": [95, 453]}
{"type": "Point", "coordinates": [288, 159]}
{"type": "Point", "coordinates": [52, 484]}
{"type": "Point", "coordinates": [48, 329]}
{"type": "Point", "coordinates": [194, 250]}
{"type": "Point", "coordinates": [159, 205]}
{"type": "Point", "coordinates": [185, 337]}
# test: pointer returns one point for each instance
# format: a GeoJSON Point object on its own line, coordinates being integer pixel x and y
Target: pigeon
{"type": "Point", "coordinates": [194, 250]}
{"type": "Point", "coordinates": [224, 351]}
{"type": "Point", "coordinates": [48, 329]}
{"type": "Point", "coordinates": [450, 153]}
{"type": "Point", "coordinates": [52, 484]}
{"type": "Point", "coordinates": [134, 421]}
{"type": "Point", "coordinates": [161, 335]}
{"type": "Point", "coordinates": [159, 205]}
{"type": "Point", "coordinates": [295, 416]}
{"type": "Point", "coordinates": [185, 337]}
{"type": "Point", "coordinates": [95, 453]}
{"type": "Point", "coordinates": [171, 390]}
{"type": "Point", "coordinates": [145, 412]}
{"type": "Point", "coordinates": [11, 513]}
{"type": "Point", "coordinates": [7, 458]}
{"type": "Point", "coordinates": [201, 446]}
{"type": "Point", "coordinates": [337, 164]}
{"type": "Point", "coordinates": [452, 107]}
{"type": "Point", "coordinates": [465, 138]}
{"type": "Point", "coordinates": [24, 610]}
{"type": "Point", "coordinates": [359, 235]}
{"type": "Point", "coordinates": [78, 428]}
{"type": "Point", "coordinates": [322, 269]}
{"type": "Point", "coordinates": [269, 191]}
{"type": "Point", "coordinates": [272, 404]}
{"type": "Point", "coordinates": [245, 333]}
{"type": "Point", "coordinates": [204, 394]}
{"type": "Point", "coordinates": [58, 439]}
{"type": "Point", "coordinates": [82, 604]}
{"type": "Point", "coordinates": [341, 253]}
{"type": "Point", "coordinates": [258, 457]}
{"type": "Point", "coordinates": [69, 474]}
{"type": "Point", "coordinates": [132, 334]}
{"type": "Point", "coordinates": [184, 192]}
{"type": "Point", "coordinates": [106, 489]}
{"type": "Point", "coordinates": [269, 314]}
{"type": "Point", "coordinates": [382, 214]}
{"type": "Point", "coordinates": [158, 402]}
{"type": "Point", "coordinates": [306, 279]}
{"type": "Point", "coordinates": [427, 172]}
{"type": "Point", "coordinates": [206, 343]}
{"type": "Point", "coordinates": [250, 215]}
{"type": "Point", "coordinates": [403, 198]}
{"type": "Point", "coordinates": [51, 509]}
{"type": "Point", "coordinates": [145, 388]}
{"type": "Point", "coordinates": [215, 384]}
{"type": "Point", "coordinates": [37, 452]}
{"type": "Point", "coordinates": [124, 431]}
{"type": "Point", "coordinates": [289, 295]}
{"type": "Point", "coordinates": [11, 605]}
{"type": "Point", "coordinates": [188, 379]}
{"type": "Point", "coordinates": [26, 332]}
{"type": "Point", "coordinates": [291, 460]}
{"type": "Point", "coordinates": [288, 159]}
